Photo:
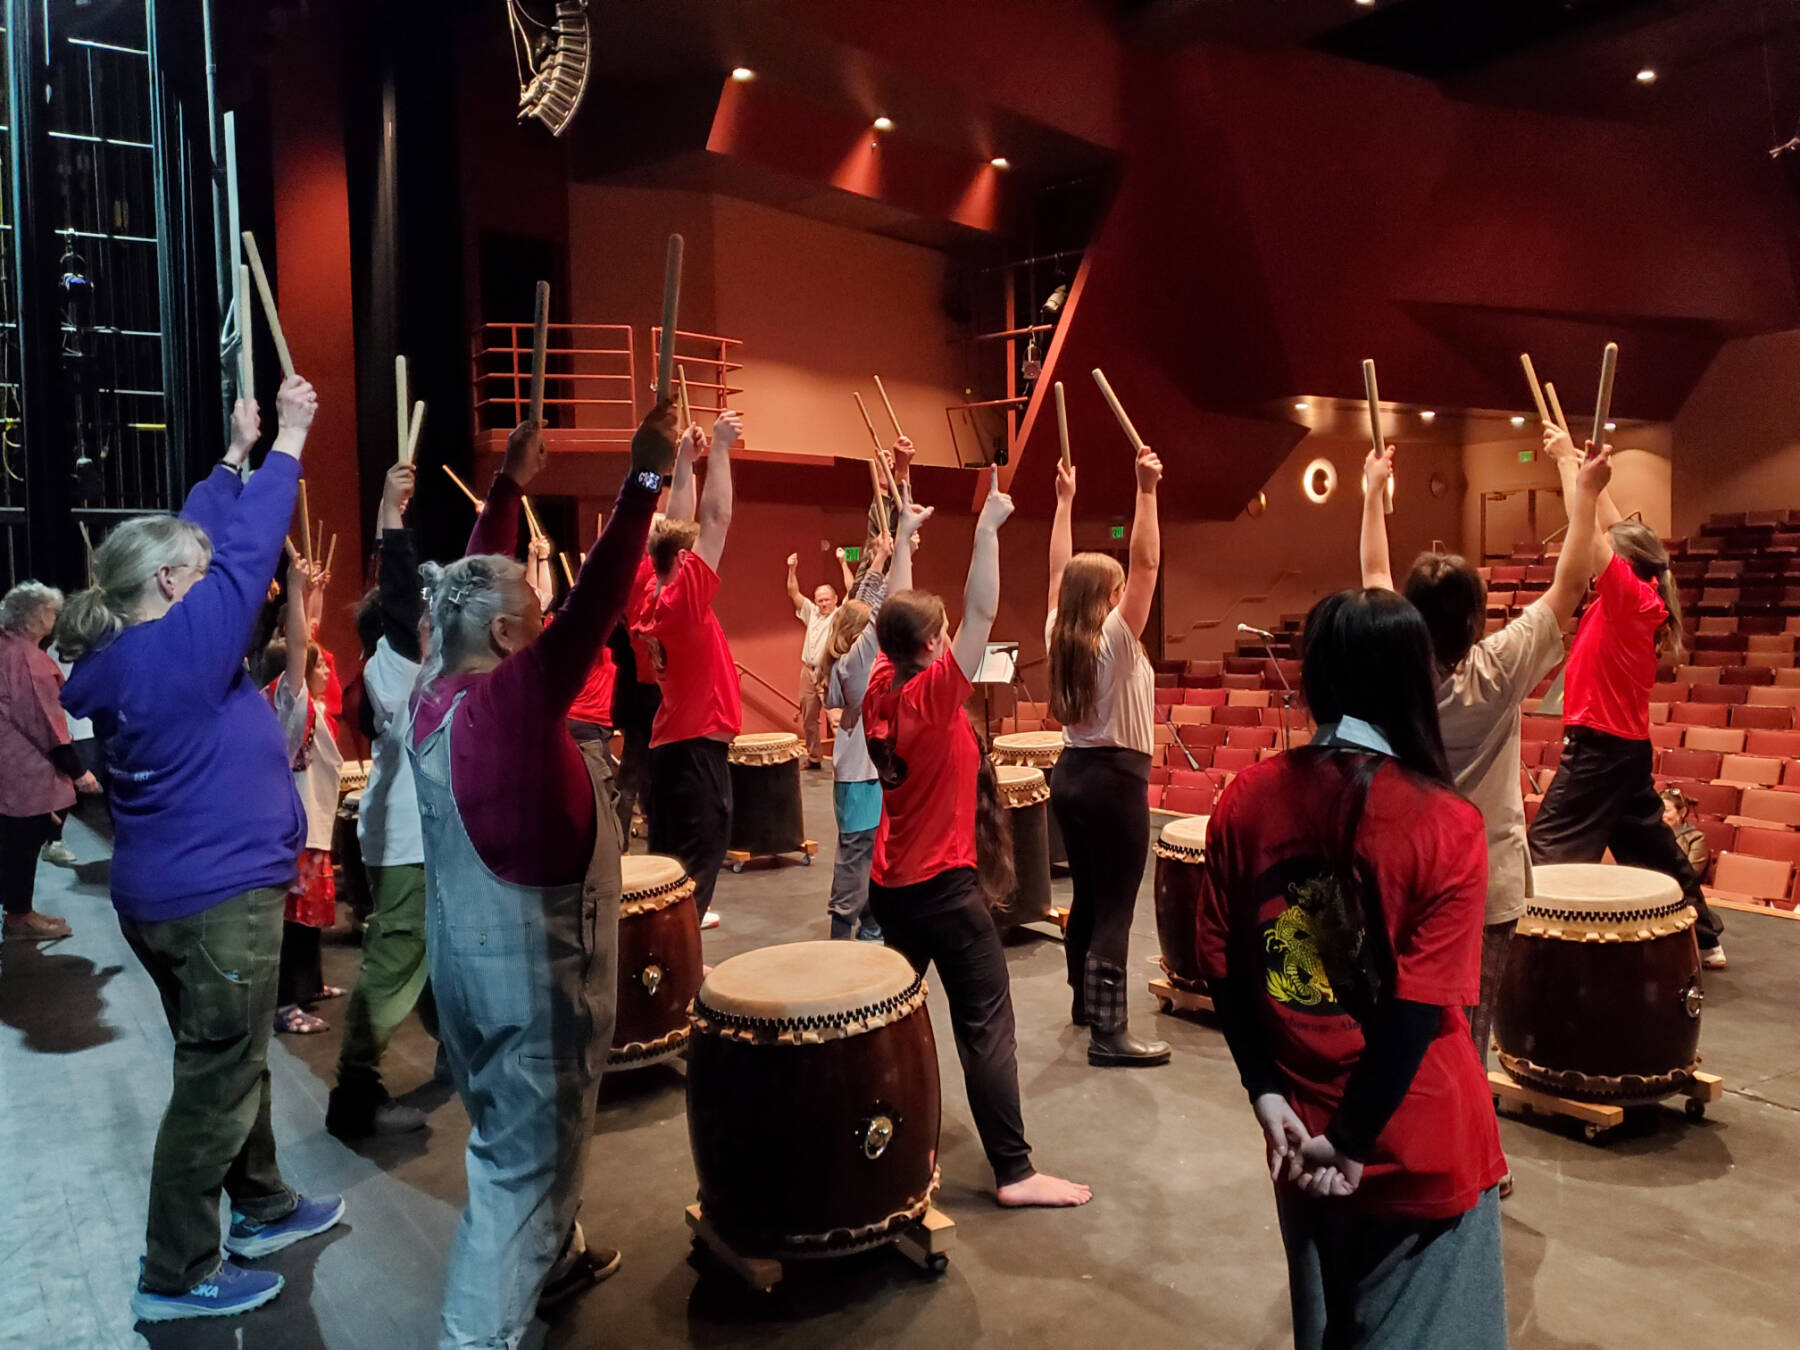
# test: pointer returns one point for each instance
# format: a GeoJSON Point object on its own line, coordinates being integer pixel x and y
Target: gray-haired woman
{"type": "Point", "coordinates": [522, 889]}
{"type": "Point", "coordinates": [39, 770]}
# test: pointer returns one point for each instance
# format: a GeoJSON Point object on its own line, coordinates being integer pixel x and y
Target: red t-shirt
{"type": "Point", "coordinates": [594, 702]}
{"type": "Point", "coordinates": [637, 614]}
{"type": "Point", "coordinates": [1426, 850]}
{"type": "Point", "coordinates": [1613, 661]}
{"type": "Point", "coordinates": [699, 679]}
{"type": "Point", "coordinates": [928, 821]}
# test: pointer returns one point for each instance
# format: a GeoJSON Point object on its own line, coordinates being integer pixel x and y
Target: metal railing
{"type": "Point", "coordinates": [590, 377]}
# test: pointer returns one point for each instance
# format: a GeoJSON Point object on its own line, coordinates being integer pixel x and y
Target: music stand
{"type": "Point", "coordinates": [999, 666]}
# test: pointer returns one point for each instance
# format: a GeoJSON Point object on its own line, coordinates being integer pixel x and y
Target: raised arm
{"type": "Point", "coordinates": [397, 596]}
{"type": "Point", "coordinates": [849, 576]}
{"type": "Point", "coordinates": [497, 527]}
{"type": "Point", "coordinates": [210, 504]}
{"type": "Point", "coordinates": [1377, 570]}
{"type": "Point", "coordinates": [912, 520]}
{"type": "Point", "coordinates": [797, 600]}
{"type": "Point", "coordinates": [981, 594]}
{"type": "Point", "coordinates": [681, 487]}
{"type": "Point", "coordinates": [1582, 492]}
{"type": "Point", "coordinates": [300, 590]}
{"type": "Point", "coordinates": [715, 502]}
{"type": "Point", "coordinates": [1062, 531]}
{"type": "Point", "coordinates": [1606, 514]}
{"type": "Point", "coordinates": [1146, 546]}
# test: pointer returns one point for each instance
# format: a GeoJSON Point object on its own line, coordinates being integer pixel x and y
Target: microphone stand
{"type": "Point", "coordinates": [1287, 694]}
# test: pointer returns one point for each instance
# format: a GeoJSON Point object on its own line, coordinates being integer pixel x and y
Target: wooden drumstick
{"type": "Point", "coordinates": [1112, 401]}
{"type": "Point", "coordinates": [1556, 408]}
{"type": "Point", "coordinates": [331, 552]}
{"type": "Point", "coordinates": [665, 359]}
{"type": "Point", "coordinates": [875, 482]}
{"type": "Point", "coordinates": [246, 337]}
{"type": "Point", "coordinates": [412, 434]}
{"type": "Point", "coordinates": [473, 499]}
{"type": "Point", "coordinates": [890, 408]}
{"type": "Point", "coordinates": [888, 474]}
{"type": "Point", "coordinates": [1537, 390]}
{"type": "Point", "coordinates": [87, 547]}
{"type": "Point", "coordinates": [1374, 397]}
{"type": "Point", "coordinates": [402, 411]}
{"type": "Point", "coordinates": [268, 304]}
{"type": "Point", "coordinates": [1609, 363]}
{"type": "Point", "coordinates": [568, 571]}
{"type": "Point", "coordinates": [319, 547]}
{"type": "Point", "coordinates": [305, 522]}
{"type": "Point", "coordinates": [686, 415]}
{"type": "Point", "coordinates": [540, 343]}
{"type": "Point", "coordinates": [1062, 424]}
{"type": "Point", "coordinates": [531, 519]}
{"type": "Point", "coordinates": [868, 421]}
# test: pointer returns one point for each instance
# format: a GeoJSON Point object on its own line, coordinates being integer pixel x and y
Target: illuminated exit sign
{"type": "Point", "coordinates": [1526, 456]}
{"type": "Point", "coordinates": [853, 554]}
{"type": "Point", "coordinates": [1118, 532]}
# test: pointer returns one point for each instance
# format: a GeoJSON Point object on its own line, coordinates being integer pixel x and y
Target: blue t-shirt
{"type": "Point", "coordinates": [858, 805]}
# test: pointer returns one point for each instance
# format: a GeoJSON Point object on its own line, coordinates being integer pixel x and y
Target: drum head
{"type": "Point", "coordinates": [1184, 838]}
{"type": "Point", "coordinates": [1030, 740]}
{"type": "Point", "coordinates": [1021, 785]}
{"type": "Point", "coordinates": [833, 987]}
{"type": "Point", "coordinates": [1576, 900]}
{"type": "Point", "coordinates": [648, 874]}
{"type": "Point", "coordinates": [766, 747]}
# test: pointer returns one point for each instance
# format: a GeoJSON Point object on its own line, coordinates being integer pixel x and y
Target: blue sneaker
{"type": "Point", "coordinates": [311, 1216]}
{"type": "Point", "coordinates": [228, 1291]}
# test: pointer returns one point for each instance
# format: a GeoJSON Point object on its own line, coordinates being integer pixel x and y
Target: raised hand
{"type": "Point", "coordinates": [794, 559]}
{"type": "Point", "coordinates": [246, 427]}
{"type": "Point", "coordinates": [728, 430]}
{"type": "Point", "coordinates": [296, 404]}
{"type": "Point", "coordinates": [995, 510]}
{"type": "Point", "coordinates": [881, 548]}
{"type": "Point", "coordinates": [539, 549]}
{"type": "Point", "coordinates": [397, 489]}
{"type": "Point", "coordinates": [1596, 473]}
{"type": "Point", "coordinates": [653, 443]}
{"type": "Point", "coordinates": [1377, 470]}
{"type": "Point", "coordinates": [1557, 444]}
{"type": "Point", "coordinates": [525, 455]}
{"type": "Point", "coordinates": [1149, 470]}
{"type": "Point", "coordinates": [1065, 483]}
{"type": "Point", "coordinates": [902, 453]}
{"type": "Point", "coordinates": [912, 516]}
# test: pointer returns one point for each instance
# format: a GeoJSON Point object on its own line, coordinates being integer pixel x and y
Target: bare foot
{"type": "Point", "coordinates": [1040, 1189]}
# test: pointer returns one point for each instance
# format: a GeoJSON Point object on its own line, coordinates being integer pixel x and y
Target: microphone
{"type": "Point", "coordinates": [1263, 633]}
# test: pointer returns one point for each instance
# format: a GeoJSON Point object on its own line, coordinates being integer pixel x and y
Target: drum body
{"type": "Point", "coordinates": [1036, 750]}
{"type": "Point", "coordinates": [1601, 998]}
{"type": "Point", "coordinates": [1026, 796]}
{"type": "Point", "coordinates": [766, 816]}
{"type": "Point", "coordinates": [812, 1098]}
{"type": "Point", "coordinates": [659, 961]}
{"type": "Point", "coordinates": [1180, 851]}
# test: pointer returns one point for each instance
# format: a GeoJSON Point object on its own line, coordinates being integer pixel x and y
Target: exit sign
{"type": "Point", "coordinates": [853, 554]}
{"type": "Point", "coordinates": [1526, 456]}
{"type": "Point", "coordinates": [1118, 532]}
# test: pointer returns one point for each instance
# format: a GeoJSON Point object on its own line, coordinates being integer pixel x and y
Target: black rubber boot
{"type": "Point", "coordinates": [1110, 1042]}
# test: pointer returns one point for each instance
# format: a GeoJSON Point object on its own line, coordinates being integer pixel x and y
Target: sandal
{"type": "Point", "coordinates": [330, 991]}
{"type": "Point", "coordinates": [296, 1021]}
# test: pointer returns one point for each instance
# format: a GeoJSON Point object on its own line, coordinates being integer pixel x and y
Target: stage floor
{"type": "Point", "coordinates": [1668, 1230]}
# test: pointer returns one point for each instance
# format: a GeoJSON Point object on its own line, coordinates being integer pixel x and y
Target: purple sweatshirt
{"type": "Point", "coordinates": [203, 802]}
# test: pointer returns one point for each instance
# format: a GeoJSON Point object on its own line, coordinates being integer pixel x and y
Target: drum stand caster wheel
{"type": "Point", "coordinates": [1696, 1109]}
{"type": "Point", "coordinates": [1163, 1005]}
{"type": "Point", "coordinates": [806, 858]}
{"type": "Point", "coordinates": [938, 1264]}
{"type": "Point", "coordinates": [1590, 1132]}
{"type": "Point", "coordinates": [737, 867]}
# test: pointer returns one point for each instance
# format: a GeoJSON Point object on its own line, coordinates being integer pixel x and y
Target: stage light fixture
{"type": "Point", "coordinates": [1302, 406]}
{"type": "Point", "coordinates": [1646, 76]}
{"type": "Point", "coordinates": [1318, 481]}
{"type": "Point", "coordinates": [1612, 426]}
{"type": "Point", "coordinates": [884, 123]}
{"type": "Point", "coordinates": [1427, 415]}
{"type": "Point", "coordinates": [743, 74]}
{"type": "Point", "coordinates": [1518, 421]}
{"type": "Point", "coordinates": [1000, 162]}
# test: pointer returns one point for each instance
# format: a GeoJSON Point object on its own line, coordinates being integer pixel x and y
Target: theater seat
{"type": "Point", "coordinates": [1768, 807]}
{"type": "Point", "coordinates": [1188, 801]}
{"type": "Point", "coordinates": [1726, 740]}
{"type": "Point", "coordinates": [1749, 771]}
{"type": "Point", "coordinates": [1741, 877]}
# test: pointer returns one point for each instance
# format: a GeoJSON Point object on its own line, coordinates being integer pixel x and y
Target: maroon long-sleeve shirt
{"type": "Point", "coordinates": [521, 785]}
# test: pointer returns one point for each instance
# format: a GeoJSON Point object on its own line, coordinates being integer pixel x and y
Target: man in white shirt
{"type": "Point", "coordinates": [816, 615]}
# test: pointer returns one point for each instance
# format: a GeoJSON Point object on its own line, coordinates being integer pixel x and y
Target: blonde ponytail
{"type": "Point", "coordinates": [124, 567]}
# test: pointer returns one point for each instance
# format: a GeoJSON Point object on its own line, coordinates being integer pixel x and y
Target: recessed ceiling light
{"type": "Point", "coordinates": [884, 123]}
{"type": "Point", "coordinates": [1427, 415]}
{"type": "Point", "coordinates": [1612, 426]}
{"type": "Point", "coordinates": [1302, 406]}
{"type": "Point", "coordinates": [1000, 162]}
{"type": "Point", "coordinates": [743, 74]}
{"type": "Point", "coordinates": [1366, 4]}
{"type": "Point", "coordinates": [1646, 76]}
{"type": "Point", "coordinates": [1518, 421]}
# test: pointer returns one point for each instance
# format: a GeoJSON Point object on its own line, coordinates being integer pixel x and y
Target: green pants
{"type": "Point", "coordinates": [216, 973]}
{"type": "Point", "coordinates": [392, 977]}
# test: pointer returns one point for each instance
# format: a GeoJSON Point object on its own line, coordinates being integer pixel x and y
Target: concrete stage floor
{"type": "Point", "coordinates": [1670, 1232]}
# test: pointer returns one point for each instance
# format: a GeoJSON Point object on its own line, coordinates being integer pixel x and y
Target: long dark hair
{"type": "Point", "coordinates": [1366, 654]}
{"type": "Point", "coordinates": [907, 622]}
{"type": "Point", "coordinates": [1645, 555]}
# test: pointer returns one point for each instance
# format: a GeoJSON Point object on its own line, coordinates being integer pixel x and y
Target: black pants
{"type": "Point", "coordinates": [633, 711]}
{"type": "Point", "coordinates": [1604, 796]}
{"type": "Point", "coordinates": [1101, 799]}
{"type": "Point", "coordinates": [690, 816]}
{"type": "Point", "coordinates": [302, 977]}
{"type": "Point", "coordinates": [22, 838]}
{"type": "Point", "coordinates": [947, 920]}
